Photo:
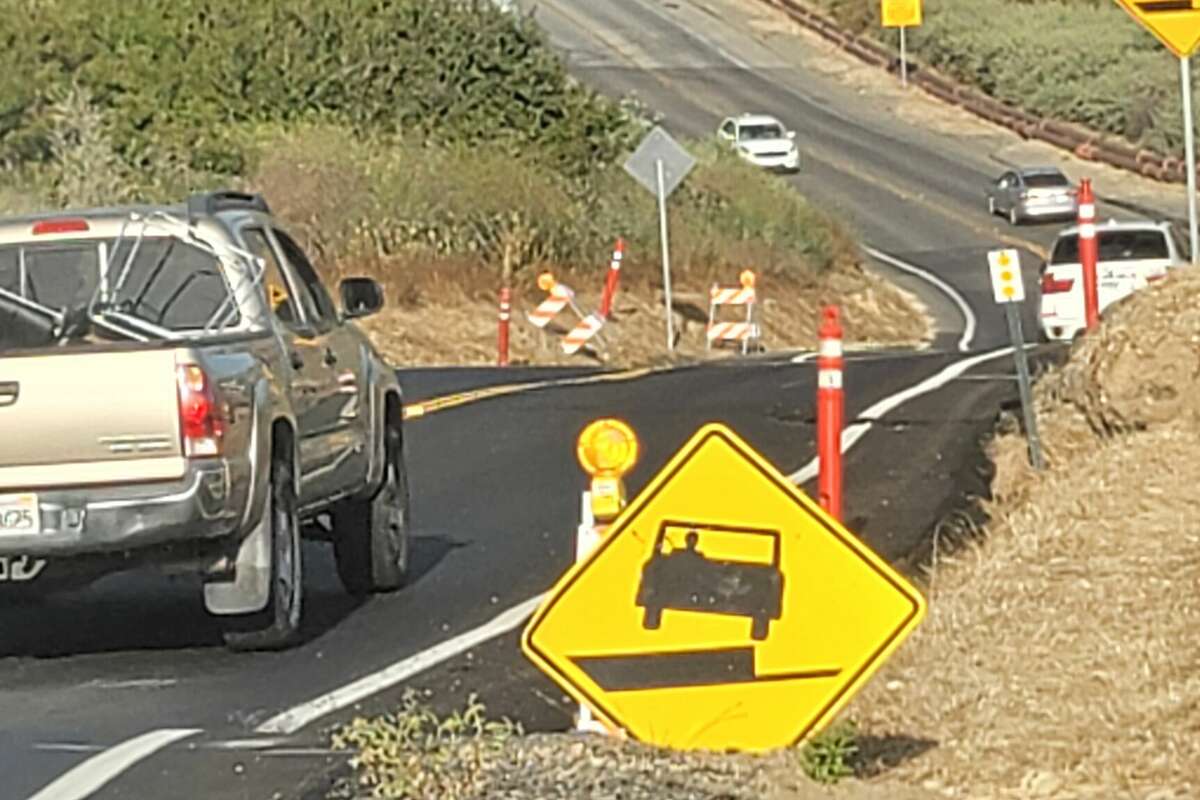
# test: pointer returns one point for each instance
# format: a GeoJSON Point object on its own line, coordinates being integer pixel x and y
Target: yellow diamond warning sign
{"type": "Point", "coordinates": [722, 610]}
{"type": "Point", "coordinates": [1176, 23]}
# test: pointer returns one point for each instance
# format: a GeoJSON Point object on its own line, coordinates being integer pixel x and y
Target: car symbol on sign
{"type": "Point", "coordinates": [684, 579]}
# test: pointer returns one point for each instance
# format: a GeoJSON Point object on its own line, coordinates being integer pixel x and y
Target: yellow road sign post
{"type": "Point", "coordinates": [1176, 23]}
{"type": "Point", "coordinates": [1008, 288]}
{"type": "Point", "coordinates": [723, 609]}
{"type": "Point", "coordinates": [902, 14]}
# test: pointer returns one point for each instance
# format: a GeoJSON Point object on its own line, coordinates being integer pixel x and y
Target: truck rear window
{"type": "Point", "coordinates": [1115, 246]}
{"type": "Point", "coordinates": [168, 283]}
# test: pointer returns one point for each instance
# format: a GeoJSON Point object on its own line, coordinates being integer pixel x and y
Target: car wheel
{"type": "Point", "coordinates": [652, 620]}
{"type": "Point", "coordinates": [370, 537]}
{"type": "Point", "coordinates": [277, 625]}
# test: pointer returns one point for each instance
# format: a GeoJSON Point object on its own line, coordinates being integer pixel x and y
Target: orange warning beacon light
{"type": "Point", "coordinates": [747, 278]}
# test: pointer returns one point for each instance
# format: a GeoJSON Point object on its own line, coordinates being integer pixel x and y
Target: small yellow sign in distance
{"type": "Point", "coordinates": [1176, 23]}
{"type": "Point", "coordinates": [722, 610]}
{"type": "Point", "coordinates": [901, 13]}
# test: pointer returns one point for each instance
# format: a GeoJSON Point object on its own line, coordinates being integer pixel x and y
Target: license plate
{"type": "Point", "coordinates": [19, 514]}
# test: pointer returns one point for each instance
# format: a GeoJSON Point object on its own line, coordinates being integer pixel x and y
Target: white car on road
{"type": "Point", "coordinates": [763, 141]}
{"type": "Point", "coordinates": [1131, 255]}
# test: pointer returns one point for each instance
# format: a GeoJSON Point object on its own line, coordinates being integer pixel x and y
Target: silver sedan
{"type": "Point", "coordinates": [1033, 193]}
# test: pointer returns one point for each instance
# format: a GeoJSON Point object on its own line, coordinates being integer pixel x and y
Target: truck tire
{"type": "Point", "coordinates": [277, 625]}
{"type": "Point", "coordinates": [370, 536]}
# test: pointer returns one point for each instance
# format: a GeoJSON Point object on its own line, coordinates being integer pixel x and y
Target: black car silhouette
{"type": "Point", "coordinates": [686, 580]}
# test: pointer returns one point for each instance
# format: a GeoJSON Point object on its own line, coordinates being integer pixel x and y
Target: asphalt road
{"type": "Point", "coordinates": [495, 484]}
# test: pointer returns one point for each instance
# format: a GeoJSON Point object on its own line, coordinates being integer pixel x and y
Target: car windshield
{"type": "Point", "coordinates": [1047, 180]}
{"type": "Point", "coordinates": [1115, 246]}
{"type": "Point", "coordinates": [752, 132]}
{"type": "Point", "coordinates": [167, 283]}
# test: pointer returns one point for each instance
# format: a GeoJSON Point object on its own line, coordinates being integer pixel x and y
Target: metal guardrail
{"type": "Point", "coordinates": [1083, 142]}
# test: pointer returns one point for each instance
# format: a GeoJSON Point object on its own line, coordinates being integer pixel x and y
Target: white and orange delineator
{"type": "Point", "coordinates": [743, 331]}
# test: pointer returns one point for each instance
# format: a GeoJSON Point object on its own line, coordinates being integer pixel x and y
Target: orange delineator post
{"type": "Point", "coordinates": [1088, 253]}
{"type": "Point", "coordinates": [613, 278]}
{"type": "Point", "coordinates": [830, 412]}
{"type": "Point", "coordinates": [505, 316]}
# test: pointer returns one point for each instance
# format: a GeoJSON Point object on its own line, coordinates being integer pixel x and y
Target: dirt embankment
{"type": "Point", "coordinates": [1060, 658]}
{"type": "Point", "coordinates": [447, 314]}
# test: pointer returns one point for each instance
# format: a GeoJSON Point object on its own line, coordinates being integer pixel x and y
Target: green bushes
{"type": "Point", "coordinates": [175, 76]}
{"type": "Point", "coordinates": [377, 127]}
{"type": "Point", "coordinates": [1078, 61]}
{"type": "Point", "coordinates": [383, 197]}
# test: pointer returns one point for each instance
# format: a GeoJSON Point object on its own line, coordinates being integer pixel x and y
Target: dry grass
{"type": "Point", "coordinates": [443, 312]}
{"type": "Point", "coordinates": [1060, 656]}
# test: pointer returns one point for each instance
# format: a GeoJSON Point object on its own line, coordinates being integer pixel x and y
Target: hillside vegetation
{"type": "Point", "coordinates": [390, 125]}
{"type": "Point", "coordinates": [1084, 61]}
{"type": "Point", "coordinates": [439, 145]}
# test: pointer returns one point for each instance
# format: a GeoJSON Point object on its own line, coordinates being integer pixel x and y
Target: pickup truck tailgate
{"type": "Point", "coordinates": [73, 419]}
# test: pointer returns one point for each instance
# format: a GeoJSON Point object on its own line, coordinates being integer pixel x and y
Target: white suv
{"type": "Point", "coordinates": [1131, 255]}
{"type": "Point", "coordinates": [763, 141]}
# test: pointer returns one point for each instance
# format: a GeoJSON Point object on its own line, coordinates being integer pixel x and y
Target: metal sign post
{"type": "Point", "coordinates": [1009, 291]}
{"type": "Point", "coordinates": [660, 164]}
{"type": "Point", "coordinates": [1013, 313]}
{"type": "Point", "coordinates": [902, 14]}
{"type": "Point", "coordinates": [1189, 138]}
{"type": "Point", "coordinates": [1176, 23]}
{"type": "Point", "coordinates": [666, 251]}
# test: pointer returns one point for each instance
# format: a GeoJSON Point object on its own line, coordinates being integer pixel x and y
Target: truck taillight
{"type": "Point", "coordinates": [201, 424]}
{"type": "Point", "coordinates": [1052, 285]}
{"type": "Point", "coordinates": [49, 226]}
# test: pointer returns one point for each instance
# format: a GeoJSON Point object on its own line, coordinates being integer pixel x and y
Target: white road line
{"type": "Point", "coordinates": [91, 775]}
{"type": "Point", "coordinates": [297, 717]}
{"type": "Point", "coordinates": [969, 321]}
{"type": "Point", "coordinates": [852, 434]}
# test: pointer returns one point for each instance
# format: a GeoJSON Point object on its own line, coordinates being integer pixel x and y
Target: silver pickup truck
{"type": "Point", "coordinates": [178, 390]}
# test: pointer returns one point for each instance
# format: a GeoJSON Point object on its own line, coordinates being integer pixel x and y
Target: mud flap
{"type": "Point", "coordinates": [250, 589]}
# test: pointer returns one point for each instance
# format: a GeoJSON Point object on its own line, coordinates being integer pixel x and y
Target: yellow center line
{"type": "Point", "coordinates": [459, 399]}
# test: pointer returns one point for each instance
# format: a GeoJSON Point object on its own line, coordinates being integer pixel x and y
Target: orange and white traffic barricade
{"type": "Point", "coordinates": [582, 333]}
{"type": "Point", "coordinates": [742, 332]}
{"type": "Point", "coordinates": [559, 296]}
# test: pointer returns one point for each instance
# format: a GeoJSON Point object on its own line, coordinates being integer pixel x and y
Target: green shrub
{"type": "Point", "coordinates": [382, 197]}
{"type": "Point", "coordinates": [1077, 60]}
{"type": "Point", "coordinates": [178, 76]}
{"type": "Point", "coordinates": [829, 757]}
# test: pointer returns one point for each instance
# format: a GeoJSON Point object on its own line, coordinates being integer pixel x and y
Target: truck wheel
{"type": "Point", "coordinates": [370, 537]}
{"type": "Point", "coordinates": [652, 620]}
{"type": "Point", "coordinates": [277, 625]}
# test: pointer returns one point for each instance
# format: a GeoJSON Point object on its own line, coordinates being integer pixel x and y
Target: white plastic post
{"type": "Point", "coordinates": [586, 538]}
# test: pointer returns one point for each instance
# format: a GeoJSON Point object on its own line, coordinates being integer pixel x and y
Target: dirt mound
{"type": "Point", "coordinates": [1143, 367]}
{"type": "Point", "coordinates": [1060, 656]}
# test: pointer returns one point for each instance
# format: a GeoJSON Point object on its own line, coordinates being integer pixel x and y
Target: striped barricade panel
{"type": "Point", "coordinates": [588, 327]}
{"type": "Point", "coordinates": [732, 331]}
{"type": "Point", "coordinates": [550, 308]}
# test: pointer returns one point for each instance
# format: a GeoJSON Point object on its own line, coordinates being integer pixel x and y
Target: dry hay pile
{"type": "Point", "coordinates": [1061, 657]}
